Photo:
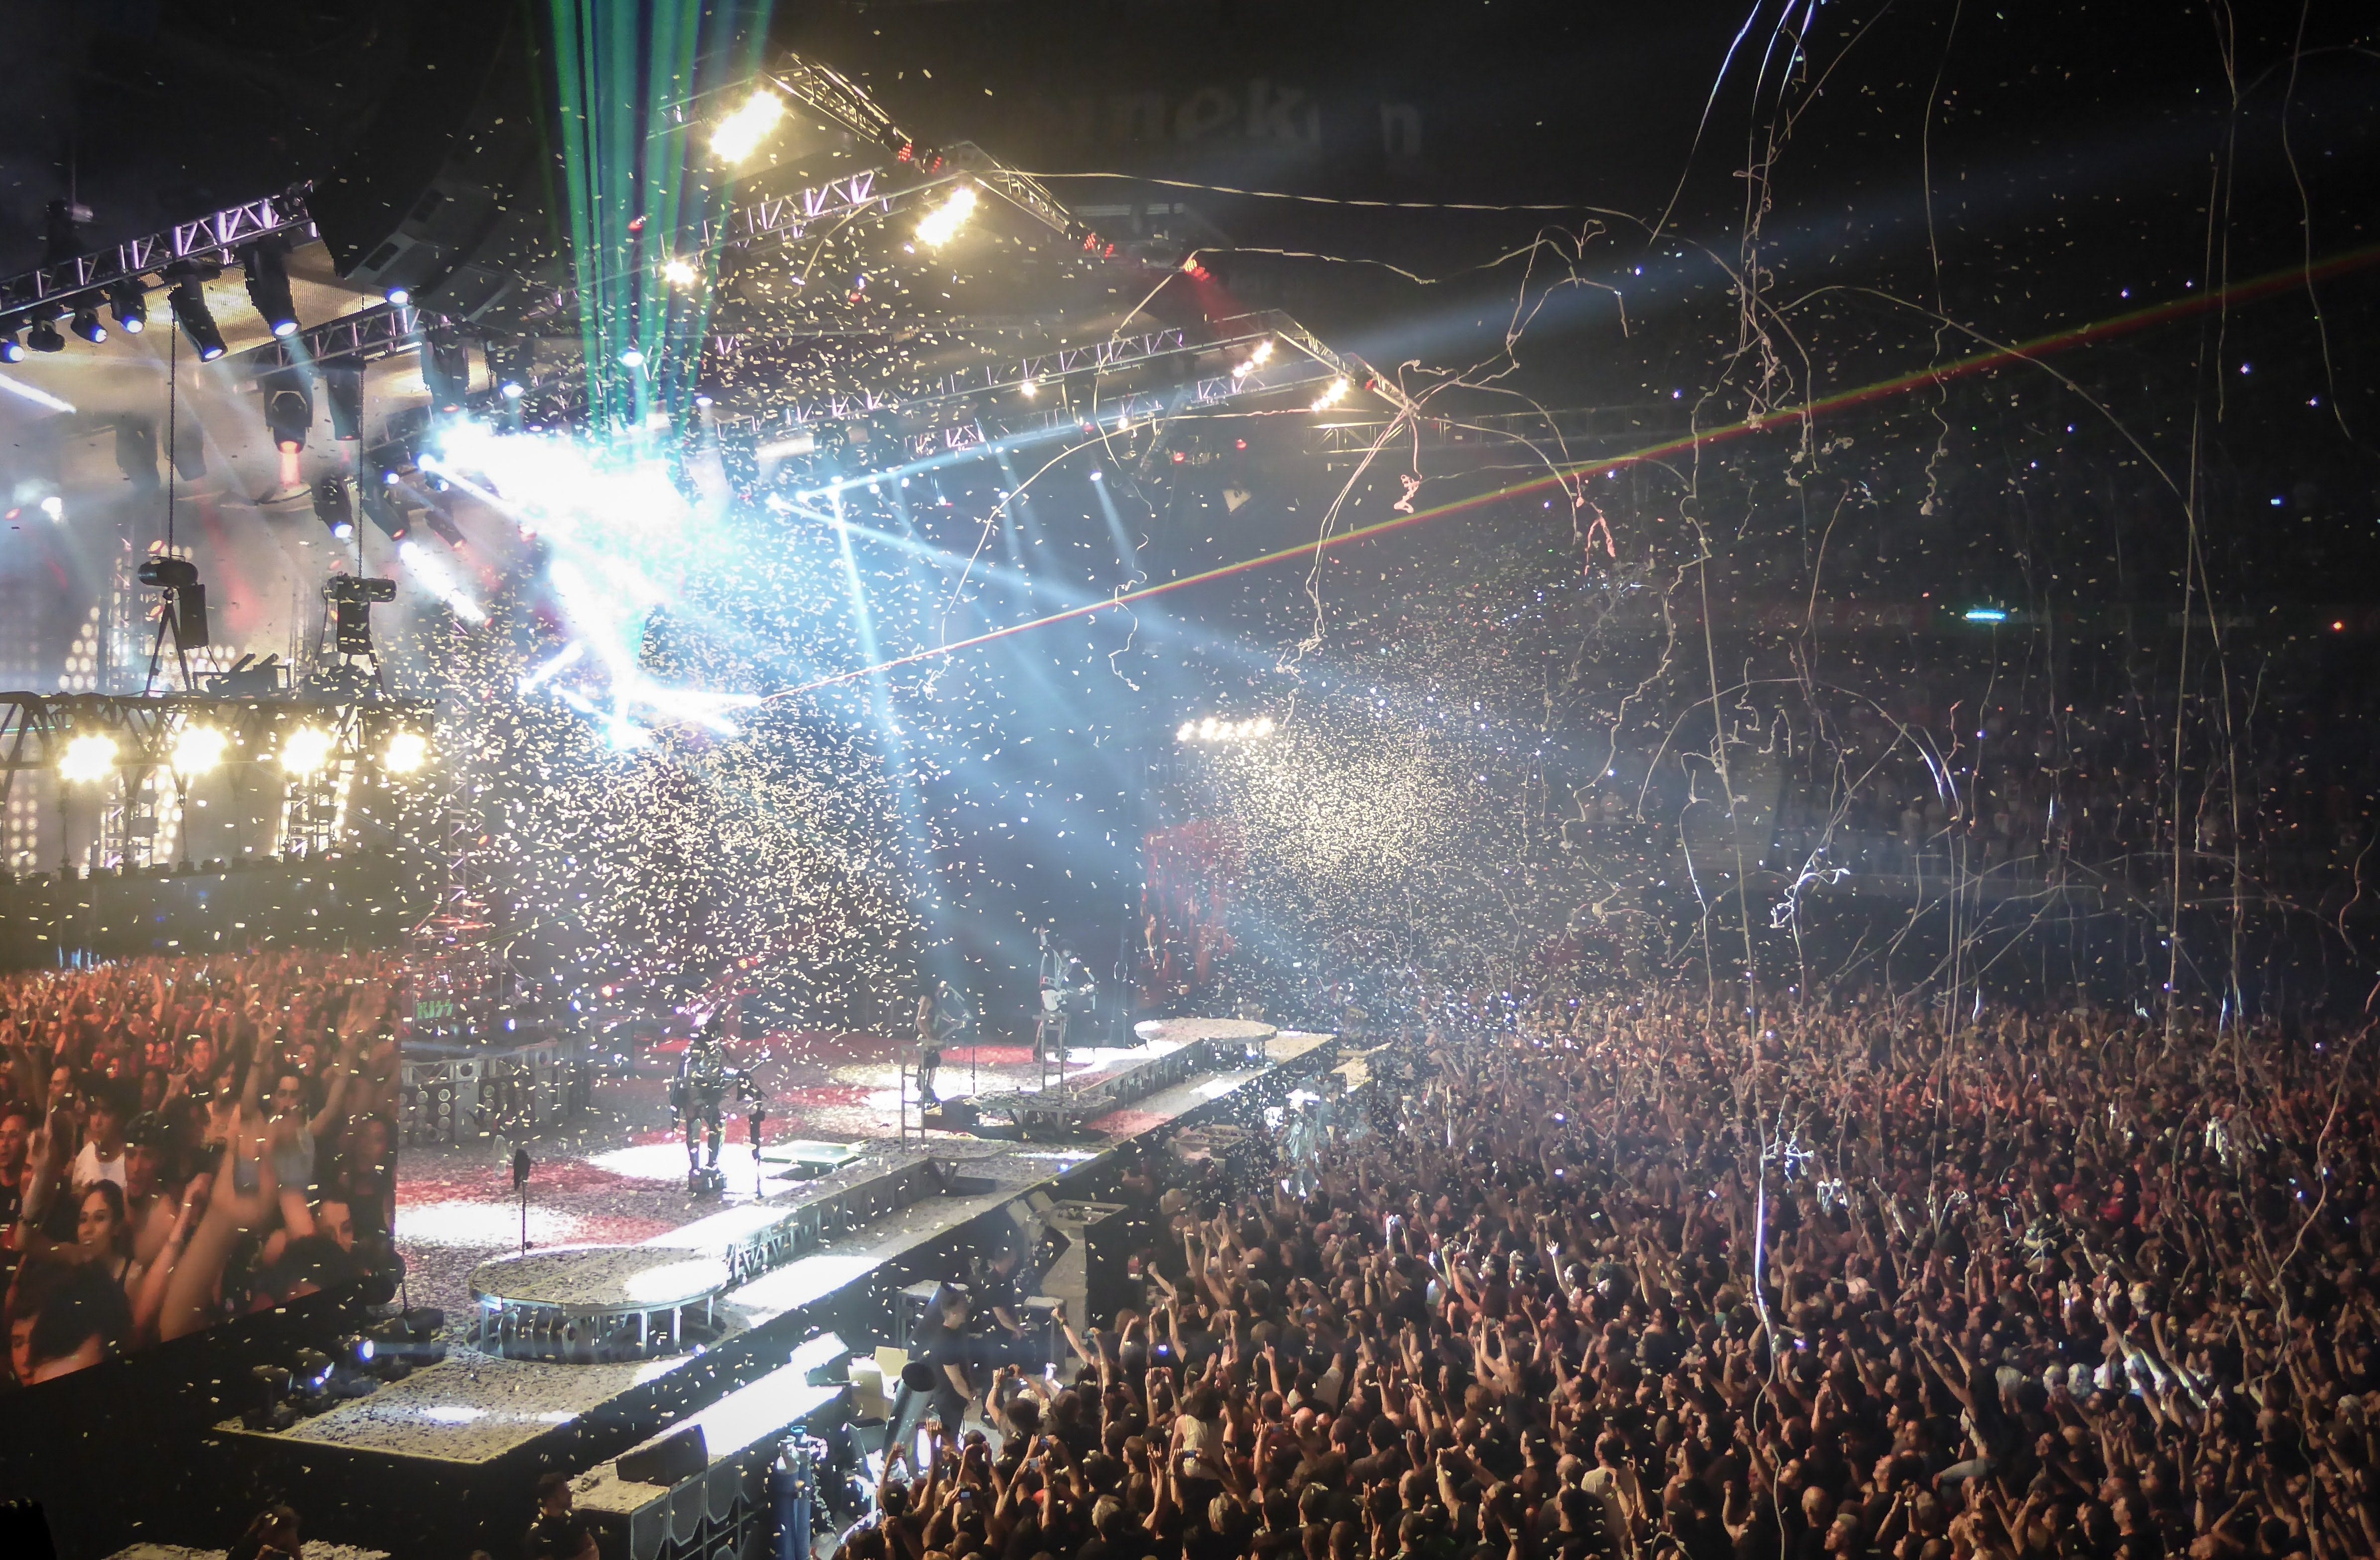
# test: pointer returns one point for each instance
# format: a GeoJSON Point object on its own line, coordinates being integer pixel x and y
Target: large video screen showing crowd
{"type": "Point", "coordinates": [185, 1141]}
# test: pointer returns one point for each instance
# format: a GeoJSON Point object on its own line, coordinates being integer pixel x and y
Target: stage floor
{"type": "Point", "coordinates": [623, 1181]}
{"type": "Point", "coordinates": [618, 1177]}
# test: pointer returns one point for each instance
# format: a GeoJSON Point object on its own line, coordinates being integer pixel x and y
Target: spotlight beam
{"type": "Point", "coordinates": [2073, 336]}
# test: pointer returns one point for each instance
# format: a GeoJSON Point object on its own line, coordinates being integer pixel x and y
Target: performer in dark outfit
{"type": "Point", "coordinates": [942, 1017]}
{"type": "Point", "coordinates": [1067, 989]}
{"type": "Point", "coordinates": [698, 1095]}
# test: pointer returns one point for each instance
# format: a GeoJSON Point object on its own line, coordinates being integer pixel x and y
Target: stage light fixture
{"type": "Point", "coordinates": [189, 301]}
{"type": "Point", "coordinates": [89, 758]}
{"type": "Point", "coordinates": [199, 749]}
{"type": "Point", "coordinates": [446, 372]}
{"type": "Point", "coordinates": [11, 349]}
{"type": "Point", "coordinates": [130, 303]}
{"type": "Point", "coordinates": [268, 287]}
{"type": "Point", "coordinates": [678, 274]}
{"type": "Point", "coordinates": [632, 358]}
{"type": "Point", "coordinates": [305, 751]}
{"type": "Point", "coordinates": [86, 321]}
{"type": "Point", "coordinates": [1333, 394]}
{"type": "Point", "coordinates": [333, 509]}
{"type": "Point", "coordinates": [44, 336]}
{"type": "Point", "coordinates": [343, 392]}
{"type": "Point", "coordinates": [512, 364]}
{"type": "Point", "coordinates": [942, 223]}
{"type": "Point", "coordinates": [740, 134]}
{"type": "Point", "coordinates": [382, 510]}
{"type": "Point", "coordinates": [399, 295]}
{"type": "Point", "coordinates": [406, 752]}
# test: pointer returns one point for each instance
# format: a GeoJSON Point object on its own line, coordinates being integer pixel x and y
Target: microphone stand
{"type": "Point", "coordinates": [520, 1188]}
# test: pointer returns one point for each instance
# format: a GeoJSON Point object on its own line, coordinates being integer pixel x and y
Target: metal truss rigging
{"type": "Point", "coordinates": [214, 236]}
{"type": "Point", "coordinates": [36, 727]}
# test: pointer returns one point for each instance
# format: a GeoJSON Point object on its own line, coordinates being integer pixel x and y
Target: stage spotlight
{"type": "Point", "coordinates": [130, 302]}
{"type": "Point", "coordinates": [189, 301]}
{"type": "Point", "coordinates": [382, 510]}
{"type": "Point", "coordinates": [333, 508]}
{"type": "Point", "coordinates": [406, 752]}
{"type": "Point", "coordinates": [740, 134]}
{"type": "Point", "coordinates": [268, 287]}
{"type": "Point", "coordinates": [86, 322]}
{"type": "Point", "coordinates": [11, 349]}
{"type": "Point", "coordinates": [199, 749]}
{"type": "Point", "coordinates": [343, 391]}
{"type": "Point", "coordinates": [88, 758]}
{"type": "Point", "coordinates": [44, 336]}
{"type": "Point", "coordinates": [678, 274]}
{"type": "Point", "coordinates": [399, 295]}
{"type": "Point", "coordinates": [1332, 394]}
{"type": "Point", "coordinates": [446, 372]}
{"type": "Point", "coordinates": [632, 358]}
{"type": "Point", "coordinates": [303, 750]}
{"type": "Point", "coordinates": [512, 364]}
{"type": "Point", "coordinates": [942, 223]}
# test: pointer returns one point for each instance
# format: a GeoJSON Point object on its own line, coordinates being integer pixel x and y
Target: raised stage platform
{"type": "Point", "coordinates": [1175, 1049]}
{"type": "Point", "coordinates": [448, 1453]}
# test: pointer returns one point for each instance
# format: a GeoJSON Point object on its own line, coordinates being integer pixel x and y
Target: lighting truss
{"type": "Point", "coordinates": [1019, 190]}
{"type": "Point", "coordinates": [821, 90]}
{"type": "Point", "coordinates": [216, 235]}
{"type": "Point", "coordinates": [381, 331]}
{"type": "Point", "coordinates": [36, 727]}
{"type": "Point", "coordinates": [787, 217]}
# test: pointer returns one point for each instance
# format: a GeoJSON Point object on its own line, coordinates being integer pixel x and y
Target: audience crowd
{"type": "Point", "coordinates": [1841, 1285]}
{"type": "Point", "coordinates": [188, 1140]}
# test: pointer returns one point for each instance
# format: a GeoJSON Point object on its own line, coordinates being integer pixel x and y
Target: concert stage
{"type": "Point", "coordinates": [564, 1361]}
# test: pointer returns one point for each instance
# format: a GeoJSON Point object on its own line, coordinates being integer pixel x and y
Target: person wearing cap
{"type": "Point", "coordinates": [151, 1193]}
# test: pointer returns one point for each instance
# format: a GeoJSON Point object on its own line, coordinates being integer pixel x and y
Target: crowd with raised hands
{"type": "Point", "coordinates": [183, 1140]}
{"type": "Point", "coordinates": [1659, 1281]}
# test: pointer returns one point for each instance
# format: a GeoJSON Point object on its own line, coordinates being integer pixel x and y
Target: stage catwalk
{"type": "Point", "coordinates": [619, 1176]}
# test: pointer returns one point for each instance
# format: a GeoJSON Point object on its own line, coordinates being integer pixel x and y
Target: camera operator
{"type": "Point", "coordinates": [558, 1532]}
{"type": "Point", "coordinates": [997, 1286]}
{"type": "Point", "coordinates": [938, 1377]}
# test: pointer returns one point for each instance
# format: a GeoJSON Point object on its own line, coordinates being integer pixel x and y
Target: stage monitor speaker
{"type": "Point", "coordinates": [447, 200]}
{"type": "Point", "coordinates": [672, 1460]}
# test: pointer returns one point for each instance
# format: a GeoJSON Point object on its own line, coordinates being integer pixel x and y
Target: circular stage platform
{"type": "Point", "coordinates": [591, 1304]}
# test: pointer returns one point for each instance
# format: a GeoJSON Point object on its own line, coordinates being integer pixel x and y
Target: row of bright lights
{"type": "Point", "coordinates": [91, 757]}
{"type": "Point", "coordinates": [1211, 729]}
